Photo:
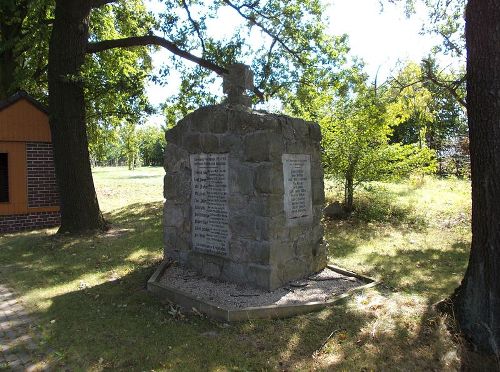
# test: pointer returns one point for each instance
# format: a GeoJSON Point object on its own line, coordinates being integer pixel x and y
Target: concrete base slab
{"type": "Point", "coordinates": [168, 283]}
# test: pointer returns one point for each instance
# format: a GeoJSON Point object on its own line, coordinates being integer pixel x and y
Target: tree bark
{"type": "Point", "coordinates": [79, 206]}
{"type": "Point", "coordinates": [349, 192]}
{"type": "Point", "coordinates": [477, 300]}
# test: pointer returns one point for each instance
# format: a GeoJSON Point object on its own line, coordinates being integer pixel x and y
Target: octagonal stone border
{"type": "Point", "coordinates": [191, 304]}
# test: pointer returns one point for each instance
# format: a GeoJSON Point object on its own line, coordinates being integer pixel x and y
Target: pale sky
{"type": "Point", "coordinates": [381, 39]}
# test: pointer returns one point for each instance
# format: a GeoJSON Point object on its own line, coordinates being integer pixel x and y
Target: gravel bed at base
{"type": "Point", "coordinates": [319, 287]}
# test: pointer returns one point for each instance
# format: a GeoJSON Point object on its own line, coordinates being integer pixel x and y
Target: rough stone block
{"type": "Point", "coordinates": [269, 205]}
{"type": "Point", "coordinates": [315, 131]}
{"type": "Point", "coordinates": [260, 275]}
{"type": "Point", "coordinates": [218, 125]}
{"type": "Point", "coordinates": [317, 214]}
{"type": "Point", "coordinates": [320, 259]}
{"type": "Point", "coordinates": [177, 186]}
{"type": "Point", "coordinates": [268, 179]}
{"type": "Point", "coordinates": [238, 250]}
{"type": "Point", "coordinates": [317, 233]}
{"type": "Point", "coordinates": [316, 171]}
{"type": "Point", "coordinates": [281, 252]}
{"type": "Point", "coordinates": [262, 228]}
{"type": "Point", "coordinates": [241, 180]}
{"type": "Point", "coordinates": [173, 215]}
{"type": "Point", "coordinates": [235, 272]}
{"type": "Point", "coordinates": [174, 134]}
{"type": "Point", "coordinates": [211, 269]}
{"type": "Point", "coordinates": [230, 143]}
{"type": "Point", "coordinates": [300, 127]}
{"type": "Point", "coordinates": [209, 143]}
{"type": "Point", "coordinates": [318, 192]}
{"type": "Point", "coordinates": [242, 226]}
{"type": "Point", "coordinates": [169, 238]}
{"type": "Point", "coordinates": [198, 124]}
{"type": "Point", "coordinates": [260, 239]}
{"type": "Point", "coordinates": [192, 142]}
{"type": "Point", "coordinates": [176, 158]}
{"type": "Point", "coordinates": [259, 252]}
{"type": "Point", "coordinates": [294, 268]}
{"type": "Point", "coordinates": [261, 146]}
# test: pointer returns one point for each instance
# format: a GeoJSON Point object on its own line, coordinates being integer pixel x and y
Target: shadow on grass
{"type": "Point", "coordinates": [433, 273]}
{"type": "Point", "coordinates": [122, 327]}
{"type": "Point", "coordinates": [118, 325]}
{"type": "Point", "coordinates": [42, 260]}
{"type": "Point", "coordinates": [344, 237]}
{"type": "Point", "coordinates": [430, 272]}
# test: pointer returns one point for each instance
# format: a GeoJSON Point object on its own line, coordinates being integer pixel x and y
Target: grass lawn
{"type": "Point", "coordinates": [89, 292]}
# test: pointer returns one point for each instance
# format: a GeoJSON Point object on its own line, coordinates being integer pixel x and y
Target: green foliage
{"type": "Point", "coordinates": [357, 122]}
{"type": "Point", "coordinates": [129, 144]}
{"type": "Point", "coordinates": [356, 144]}
{"type": "Point", "coordinates": [151, 145]}
{"type": "Point", "coordinates": [24, 34]}
{"type": "Point", "coordinates": [295, 48]}
{"type": "Point", "coordinates": [114, 80]}
{"type": "Point", "coordinates": [426, 113]}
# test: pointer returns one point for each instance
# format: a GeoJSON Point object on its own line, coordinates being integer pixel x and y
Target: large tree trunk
{"type": "Point", "coordinates": [79, 207]}
{"type": "Point", "coordinates": [477, 300]}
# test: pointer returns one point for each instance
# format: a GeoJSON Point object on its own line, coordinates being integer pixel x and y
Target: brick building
{"type": "Point", "coordinates": [28, 191]}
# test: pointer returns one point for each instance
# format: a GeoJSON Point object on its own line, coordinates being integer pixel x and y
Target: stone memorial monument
{"type": "Point", "coordinates": [244, 192]}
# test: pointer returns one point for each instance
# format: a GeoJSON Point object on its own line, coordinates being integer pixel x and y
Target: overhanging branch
{"type": "Point", "coordinates": [153, 40]}
{"type": "Point", "coordinates": [134, 41]}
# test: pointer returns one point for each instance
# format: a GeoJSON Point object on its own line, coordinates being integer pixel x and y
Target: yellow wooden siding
{"type": "Point", "coordinates": [23, 122]}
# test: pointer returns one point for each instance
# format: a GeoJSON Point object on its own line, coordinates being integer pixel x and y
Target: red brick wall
{"type": "Point", "coordinates": [29, 221]}
{"type": "Point", "coordinates": [42, 185]}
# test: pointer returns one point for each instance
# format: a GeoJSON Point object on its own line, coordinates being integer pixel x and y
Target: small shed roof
{"type": "Point", "coordinates": [23, 95]}
{"type": "Point", "coordinates": [23, 119]}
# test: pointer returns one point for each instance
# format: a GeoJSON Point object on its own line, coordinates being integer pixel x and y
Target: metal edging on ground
{"type": "Point", "coordinates": [192, 304]}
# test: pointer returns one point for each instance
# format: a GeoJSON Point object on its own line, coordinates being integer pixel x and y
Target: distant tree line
{"type": "Point", "coordinates": [130, 145]}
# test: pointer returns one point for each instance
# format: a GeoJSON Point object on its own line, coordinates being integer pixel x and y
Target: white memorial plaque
{"type": "Point", "coordinates": [210, 227]}
{"type": "Point", "coordinates": [297, 182]}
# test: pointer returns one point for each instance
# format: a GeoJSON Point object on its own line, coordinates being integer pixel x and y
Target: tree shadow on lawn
{"type": "Point", "coordinates": [42, 260]}
{"type": "Point", "coordinates": [434, 273]}
{"type": "Point", "coordinates": [118, 325]}
{"type": "Point", "coordinates": [346, 236]}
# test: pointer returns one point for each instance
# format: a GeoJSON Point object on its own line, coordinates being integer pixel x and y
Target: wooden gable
{"type": "Point", "coordinates": [23, 119]}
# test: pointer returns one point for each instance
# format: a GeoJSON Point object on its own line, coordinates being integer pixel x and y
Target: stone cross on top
{"type": "Point", "coordinates": [236, 82]}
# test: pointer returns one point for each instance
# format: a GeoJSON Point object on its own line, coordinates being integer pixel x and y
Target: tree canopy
{"type": "Point", "coordinates": [86, 43]}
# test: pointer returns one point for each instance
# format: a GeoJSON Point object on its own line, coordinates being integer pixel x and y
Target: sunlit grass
{"type": "Point", "coordinates": [89, 295]}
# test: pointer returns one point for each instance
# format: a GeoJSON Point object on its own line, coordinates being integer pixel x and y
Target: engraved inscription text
{"type": "Point", "coordinates": [210, 229]}
{"type": "Point", "coordinates": [297, 182]}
